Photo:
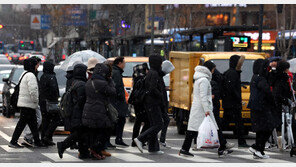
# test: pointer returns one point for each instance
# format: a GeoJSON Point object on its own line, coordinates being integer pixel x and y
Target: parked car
{"type": "Point", "coordinates": [13, 79]}
{"type": "Point", "coordinates": [14, 57]}
{"type": "Point", "coordinates": [3, 74]}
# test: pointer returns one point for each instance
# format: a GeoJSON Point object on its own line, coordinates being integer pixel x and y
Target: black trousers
{"type": "Point", "coordinates": [190, 135]}
{"type": "Point", "coordinates": [119, 128]}
{"type": "Point", "coordinates": [98, 138]}
{"type": "Point", "coordinates": [222, 140]}
{"type": "Point", "coordinates": [27, 117]}
{"type": "Point", "coordinates": [141, 117]}
{"type": "Point", "coordinates": [77, 135]}
{"type": "Point", "coordinates": [156, 124]}
{"type": "Point", "coordinates": [166, 122]}
{"type": "Point", "coordinates": [261, 138]}
{"type": "Point", "coordinates": [235, 115]}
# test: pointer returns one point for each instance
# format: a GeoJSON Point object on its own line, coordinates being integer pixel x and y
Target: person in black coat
{"type": "Point", "coordinates": [95, 117]}
{"type": "Point", "coordinates": [261, 105]}
{"type": "Point", "coordinates": [119, 101]}
{"type": "Point", "coordinates": [140, 72]}
{"type": "Point", "coordinates": [232, 98]}
{"type": "Point", "coordinates": [283, 96]}
{"type": "Point", "coordinates": [154, 102]}
{"type": "Point", "coordinates": [74, 122]}
{"type": "Point", "coordinates": [49, 91]}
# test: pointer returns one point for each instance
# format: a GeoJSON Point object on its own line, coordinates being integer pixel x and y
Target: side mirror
{"type": "Point", "coordinates": [5, 79]}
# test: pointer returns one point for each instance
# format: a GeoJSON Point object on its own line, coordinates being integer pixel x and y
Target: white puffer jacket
{"type": "Point", "coordinates": [28, 95]}
{"type": "Point", "coordinates": [202, 98]}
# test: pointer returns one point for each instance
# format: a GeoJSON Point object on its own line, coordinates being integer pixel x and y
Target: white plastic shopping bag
{"type": "Point", "coordinates": [207, 134]}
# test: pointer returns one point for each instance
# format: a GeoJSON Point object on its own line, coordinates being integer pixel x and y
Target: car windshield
{"type": "Point", "coordinates": [128, 70]}
{"type": "Point", "coordinates": [4, 61]}
{"type": "Point", "coordinates": [247, 70]}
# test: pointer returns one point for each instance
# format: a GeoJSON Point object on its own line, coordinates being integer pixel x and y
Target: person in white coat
{"type": "Point", "coordinates": [27, 103]}
{"type": "Point", "coordinates": [201, 107]}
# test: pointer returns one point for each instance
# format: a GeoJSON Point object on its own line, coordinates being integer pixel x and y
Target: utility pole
{"type": "Point", "coordinates": [152, 29]}
{"type": "Point", "coordinates": [261, 10]}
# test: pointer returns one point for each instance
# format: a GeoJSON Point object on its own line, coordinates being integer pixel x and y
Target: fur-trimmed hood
{"type": "Point", "coordinates": [202, 72]}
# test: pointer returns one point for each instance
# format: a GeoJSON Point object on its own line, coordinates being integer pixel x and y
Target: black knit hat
{"type": "Point", "coordinates": [233, 61]}
{"type": "Point", "coordinates": [210, 65]}
{"type": "Point", "coordinates": [29, 64]}
{"type": "Point", "coordinates": [155, 62]}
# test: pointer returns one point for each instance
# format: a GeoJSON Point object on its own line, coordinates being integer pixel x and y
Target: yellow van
{"type": "Point", "coordinates": [181, 82]}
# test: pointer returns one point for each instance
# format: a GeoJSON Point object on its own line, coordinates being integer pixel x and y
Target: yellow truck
{"type": "Point", "coordinates": [181, 83]}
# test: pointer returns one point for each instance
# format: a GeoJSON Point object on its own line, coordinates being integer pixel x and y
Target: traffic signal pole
{"type": "Point", "coordinates": [261, 10]}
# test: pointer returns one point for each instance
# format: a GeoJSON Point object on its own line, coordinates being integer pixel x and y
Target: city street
{"type": "Point", "coordinates": [131, 154]}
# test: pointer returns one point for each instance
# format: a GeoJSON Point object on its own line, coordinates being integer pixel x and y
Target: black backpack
{"type": "Point", "coordinates": [67, 103]}
{"type": "Point", "coordinates": [15, 94]}
{"type": "Point", "coordinates": [138, 93]}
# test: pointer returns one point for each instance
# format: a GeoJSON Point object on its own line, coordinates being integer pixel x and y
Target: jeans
{"type": "Point", "coordinates": [190, 135]}
{"type": "Point", "coordinates": [234, 114]}
{"type": "Point", "coordinates": [119, 128]}
{"type": "Point", "coordinates": [27, 132]}
{"type": "Point", "coordinates": [77, 135]}
{"type": "Point", "coordinates": [27, 117]}
{"type": "Point", "coordinates": [156, 124]}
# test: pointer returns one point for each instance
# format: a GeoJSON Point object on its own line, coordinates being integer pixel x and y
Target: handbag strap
{"type": "Point", "coordinates": [22, 78]}
{"type": "Point", "coordinates": [93, 85]}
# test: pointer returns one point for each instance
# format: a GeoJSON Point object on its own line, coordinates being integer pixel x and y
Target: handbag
{"type": "Point", "coordinates": [112, 113]}
{"type": "Point", "coordinates": [52, 107]}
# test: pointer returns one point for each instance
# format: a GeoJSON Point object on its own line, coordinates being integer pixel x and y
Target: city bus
{"type": "Point", "coordinates": [26, 46]}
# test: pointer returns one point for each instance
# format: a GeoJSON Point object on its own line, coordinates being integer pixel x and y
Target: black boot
{"type": "Point", "coordinates": [61, 150]}
{"type": "Point", "coordinates": [293, 151]}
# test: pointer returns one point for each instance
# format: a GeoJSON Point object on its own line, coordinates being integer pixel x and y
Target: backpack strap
{"type": "Point", "coordinates": [93, 85]}
{"type": "Point", "coordinates": [22, 78]}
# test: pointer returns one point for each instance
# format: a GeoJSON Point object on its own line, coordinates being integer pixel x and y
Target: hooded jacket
{"type": "Point", "coordinates": [154, 83]}
{"type": "Point", "coordinates": [49, 89]}
{"type": "Point", "coordinates": [28, 93]}
{"type": "Point", "coordinates": [260, 103]}
{"type": "Point", "coordinates": [233, 95]}
{"type": "Point", "coordinates": [118, 101]}
{"type": "Point", "coordinates": [98, 91]}
{"type": "Point", "coordinates": [79, 97]}
{"type": "Point", "coordinates": [202, 98]}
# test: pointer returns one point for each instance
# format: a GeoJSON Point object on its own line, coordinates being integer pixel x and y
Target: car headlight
{"type": "Point", "coordinates": [11, 91]}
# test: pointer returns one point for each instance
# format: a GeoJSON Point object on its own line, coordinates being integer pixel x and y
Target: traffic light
{"type": "Point", "coordinates": [1, 26]}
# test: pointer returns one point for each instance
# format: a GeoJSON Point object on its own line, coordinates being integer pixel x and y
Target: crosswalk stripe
{"type": "Point", "coordinates": [5, 136]}
{"type": "Point", "coordinates": [127, 157]}
{"type": "Point", "coordinates": [66, 157]}
{"type": "Point", "coordinates": [20, 150]}
{"type": "Point", "coordinates": [270, 160]}
{"type": "Point", "coordinates": [197, 152]}
{"type": "Point", "coordinates": [196, 158]}
{"type": "Point", "coordinates": [45, 162]}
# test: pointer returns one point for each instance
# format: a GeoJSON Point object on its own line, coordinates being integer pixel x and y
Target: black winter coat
{"type": "Point", "coordinates": [260, 102]}
{"type": "Point", "coordinates": [118, 101]}
{"type": "Point", "coordinates": [95, 113]}
{"type": "Point", "coordinates": [282, 91]}
{"type": "Point", "coordinates": [49, 89]}
{"type": "Point", "coordinates": [79, 98]}
{"type": "Point", "coordinates": [233, 94]}
{"type": "Point", "coordinates": [70, 79]}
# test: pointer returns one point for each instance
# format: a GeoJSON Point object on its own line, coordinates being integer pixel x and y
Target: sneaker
{"type": "Point", "coordinates": [28, 142]}
{"type": "Point", "coordinates": [223, 153]}
{"type": "Point", "coordinates": [110, 146]}
{"type": "Point", "coordinates": [15, 145]}
{"type": "Point", "coordinates": [105, 153]}
{"type": "Point", "coordinates": [266, 157]}
{"type": "Point", "coordinates": [164, 145]}
{"type": "Point", "coordinates": [252, 150]}
{"type": "Point", "coordinates": [260, 157]}
{"type": "Point", "coordinates": [121, 144]}
{"type": "Point", "coordinates": [185, 153]}
{"type": "Point", "coordinates": [60, 149]}
{"type": "Point", "coordinates": [258, 154]}
{"type": "Point", "coordinates": [139, 144]}
{"type": "Point", "coordinates": [156, 153]}
{"type": "Point", "coordinates": [229, 145]}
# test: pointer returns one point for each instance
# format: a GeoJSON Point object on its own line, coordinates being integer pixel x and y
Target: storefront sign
{"type": "Point", "coordinates": [267, 36]}
{"type": "Point", "coordinates": [224, 5]}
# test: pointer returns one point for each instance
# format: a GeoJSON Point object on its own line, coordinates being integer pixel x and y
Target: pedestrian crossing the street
{"type": "Point", "coordinates": [132, 155]}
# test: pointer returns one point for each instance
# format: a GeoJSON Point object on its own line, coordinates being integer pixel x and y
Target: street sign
{"type": "Point", "coordinates": [35, 22]}
{"type": "Point", "coordinates": [45, 22]}
{"type": "Point", "coordinates": [75, 17]}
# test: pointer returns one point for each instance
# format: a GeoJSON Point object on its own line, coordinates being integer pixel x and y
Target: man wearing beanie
{"type": "Point", "coordinates": [154, 101]}
{"type": "Point", "coordinates": [232, 97]}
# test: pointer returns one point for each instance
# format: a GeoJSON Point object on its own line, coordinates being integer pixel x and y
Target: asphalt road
{"type": "Point", "coordinates": [131, 154]}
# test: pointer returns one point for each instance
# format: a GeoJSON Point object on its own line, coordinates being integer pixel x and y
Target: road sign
{"type": "Point", "coordinates": [75, 17]}
{"type": "Point", "coordinates": [35, 22]}
{"type": "Point", "coordinates": [45, 22]}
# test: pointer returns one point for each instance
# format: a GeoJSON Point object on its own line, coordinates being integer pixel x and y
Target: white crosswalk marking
{"type": "Point", "coordinates": [250, 157]}
{"type": "Point", "coordinates": [5, 136]}
{"type": "Point", "coordinates": [127, 157]}
{"type": "Point", "coordinates": [20, 150]}
{"type": "Point", "coordinates": [66, 157]}
{"type": "Point", "coordinates": [197, 158]}
{"type": "Point", "coordinates": [194, 152]}
{"type": "Point", "coordinates": [45, 162]}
